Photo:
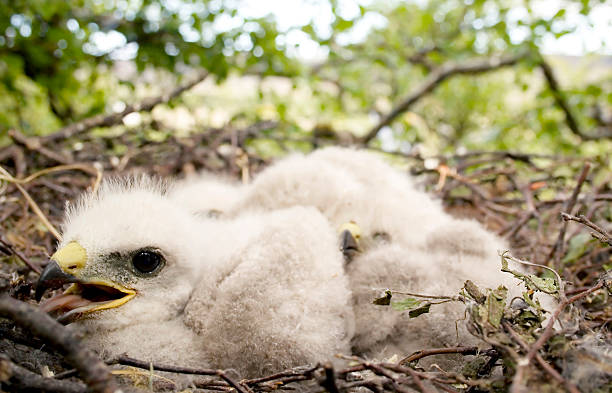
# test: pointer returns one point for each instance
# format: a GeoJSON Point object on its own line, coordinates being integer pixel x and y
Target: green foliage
{"type": "Point", "coordinates": [59, 62]}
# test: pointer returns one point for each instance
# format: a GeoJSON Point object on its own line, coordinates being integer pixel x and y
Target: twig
{"type": "Point", "coordinates": [601, 234]}
{"type": "Point", "coordinates": [33, 205]}
{"type": "Point", "coordinates": [25, 260]}
{"type": "Point", "coordinates": [557, 251]}
{"type": "Point", "coordinates": [438, 351]}
{"type": "Point", "coordinates": [90, 169]}
{"type": "Point", "coordinates": [283, 374]}
{"type": "Point", "coordinates": [115, 118]}
{"type": "Point", "coordinates": [396, 386]}
{"type": "Point", "coordinates": [443, 297]}
{"type": "Point", "coordinates": [25, 380]}
{"type": "Point", "coordinates": [128, 361]}
{"type": "Point", "coordinates": [36, 145]}
{"type": "Point", "coordinates": [560, 282]}
{"type": "Point", "coordinates": [434, 79]}
{"type": "Point", "coordinates": [329, 382]}
{"type": "Point", "coordinates": [415, 375]}
{"type": "Point", "coordinates": [93, 370]}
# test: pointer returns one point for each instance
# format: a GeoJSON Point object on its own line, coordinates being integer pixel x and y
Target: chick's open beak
{"type": "Point", "coordinates": [85, 295]}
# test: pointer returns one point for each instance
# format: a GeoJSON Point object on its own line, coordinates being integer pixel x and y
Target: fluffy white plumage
{"type": "Point", "coordinates": [422, 250]}
{"type": "Point", "coordinates": [233, 293]}
{"type": "Point", "coordinates": [263, 286]}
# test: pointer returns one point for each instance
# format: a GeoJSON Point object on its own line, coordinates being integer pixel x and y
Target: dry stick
{"type": "Point", "coordinates": [601, 235]}
{"type": "Point", "coordinates": [437, 351]}
{"type": "Point", "coordinates": [93, 371]}
{"type": "Point", "coordinates": [116, 118]}
{"type": "Point", "coordinates": [415, 375]}
{"type": "Point", "coordinates": [518, 383]}
{"type": "Point", "coordinates": [33, 205]}
{"type": "Point", "coordinates": [25, 260]}
{"type": "Point", "coordinates": [287, 373]}
{"type": "Point", "coordinates": [547, 367]}
{"type": "Point", "coordinates": [557, 251]}
{"type": "Point", "coordinates": [329, 382]}
{"type": "Point", "coordinates": [36, 145]}
{"type": "Point", "coordinates": [26, 380]}
{"type": "Point", "coordinates": [90, 169]}
{"type": "Point", "coordinates": [6, 176]}
{"type": "Point", "coordinates": [128, 361]}
{"type": "Point", "coordinates": [396, 386]}
{"type": "Point", "coordinates": [445, 71]}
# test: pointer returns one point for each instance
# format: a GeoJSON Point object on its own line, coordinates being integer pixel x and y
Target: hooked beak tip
{"type": "Point", "coordinates": [52, 277]}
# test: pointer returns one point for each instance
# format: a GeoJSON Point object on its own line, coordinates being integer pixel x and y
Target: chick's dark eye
{"type": "Point", "coordinates": [147, 261]}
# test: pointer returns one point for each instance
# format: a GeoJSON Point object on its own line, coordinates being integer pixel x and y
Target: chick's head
{"type": "Point", "coordinates": [131, 255]}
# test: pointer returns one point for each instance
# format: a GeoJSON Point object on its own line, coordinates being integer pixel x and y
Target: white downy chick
{"type": "Point", "coordinates": [424, 249]}
{"type": "Point", "coordinates": [207, 194]}
{"type": "Point", "coordinates": [458, 251]}
{"type": "Point", "coordinates": [348, 185]}
{"type": "Point", "coordinates": [263, 292]}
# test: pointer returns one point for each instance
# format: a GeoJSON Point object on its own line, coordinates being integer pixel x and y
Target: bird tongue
{"type": "Point", "coordinates": [64, 301]}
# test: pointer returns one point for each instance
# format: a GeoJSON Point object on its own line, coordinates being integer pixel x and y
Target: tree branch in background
{"type": "Point", "coordinates": [116, 118]}
{"type": "Point", "coordinates": [436, 77]}
{"type": "Point", "coordinates": [93, 370]}
{"type": "Point", "coordinates": [600, 234]}
{"type": "Point", "coordinates": [572, 122]}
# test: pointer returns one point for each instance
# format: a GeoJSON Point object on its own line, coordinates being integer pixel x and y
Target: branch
{"type": "Point", "coordinates": [570, 120]}
{"type": "Point", "coordinates": [128, 361]}
{"type": "Point", "coordinates": [34, 144]}
{"type": "Point", "coordinates": [25, 380]}
{"type": "Point", "coordinates": [116, 118]}
{"type": "Point", "coordinates": [437, 351]}
{"type": "Point", "coordinates": [601, 235]}
{"type": "Point", "coordinates": [93, 370]}
{"type": "Point", "coordinates": [475, 66]}
{"type": "Point", "coordinates": [6, 245]}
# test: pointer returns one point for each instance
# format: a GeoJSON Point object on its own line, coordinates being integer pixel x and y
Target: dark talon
{"type": "Point", "coordinates": [52, 277]}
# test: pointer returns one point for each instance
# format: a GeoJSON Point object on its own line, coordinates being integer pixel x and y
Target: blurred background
{"type": "Point", "coordinates": [415, 77]}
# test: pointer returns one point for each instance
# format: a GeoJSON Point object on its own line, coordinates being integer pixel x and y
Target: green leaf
{"type": "Point", "coordinates": [578, 245]}
{"type": "Point", "coordinates": [407, 304]}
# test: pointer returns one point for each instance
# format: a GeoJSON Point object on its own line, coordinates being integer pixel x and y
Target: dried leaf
{"type": "Point", "coordinates": [424, 309]}
{"type": "Point", "coordinates": [474, 292]}
{"type": "Point", "coordinates": [543, 284]}
{"type": "Point", "coordinates": [496, 302]}
{"type": "Point", "coordinates": [384, 300]}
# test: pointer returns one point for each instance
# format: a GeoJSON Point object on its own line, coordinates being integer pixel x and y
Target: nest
{"type": "Point", "coordinates": [555, 211]}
